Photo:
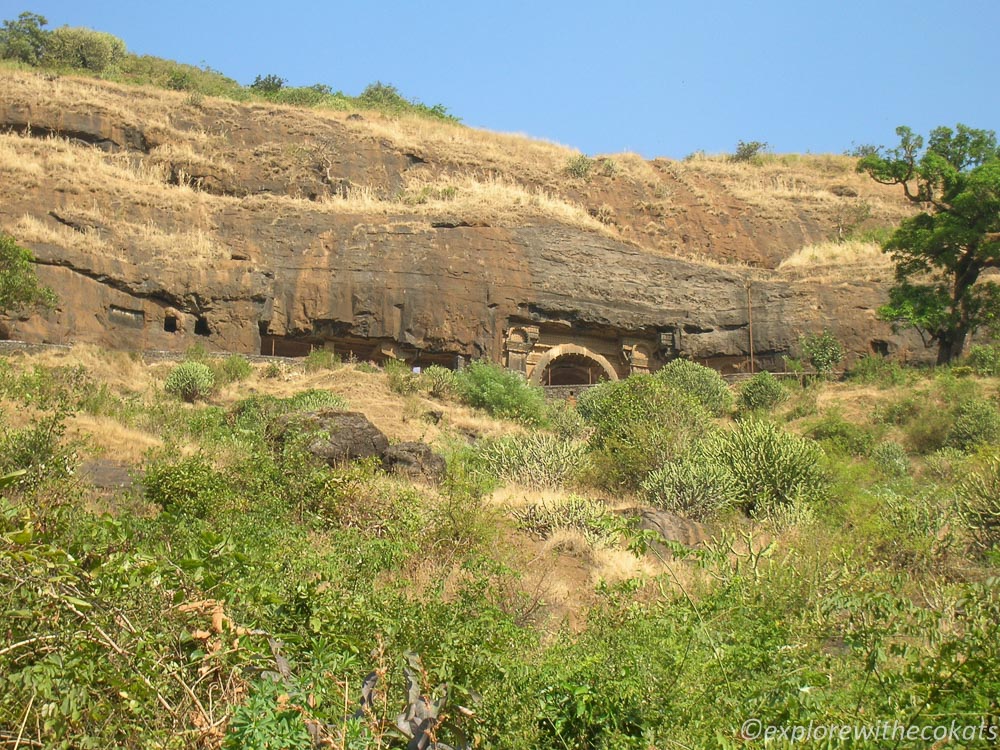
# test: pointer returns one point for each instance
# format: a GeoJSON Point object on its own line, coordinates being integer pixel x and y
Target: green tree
{"type": "Point", "coordinates": [24, 39]}
{"type": "Point", "coordinates": [19, 287]}
{"type": "Point", "coordinates": [941, 252]}
{"type": "Point", "coordinates": [72, 47]}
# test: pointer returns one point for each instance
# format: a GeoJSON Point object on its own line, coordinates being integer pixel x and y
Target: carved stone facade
{"type": "Point", "coordinates": [558, 355]}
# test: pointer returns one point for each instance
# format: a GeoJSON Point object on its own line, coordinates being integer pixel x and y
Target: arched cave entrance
{"type": "Point", "coordinates": [573, 369]}
{"type": "Point", "coordinates": [569, 364]}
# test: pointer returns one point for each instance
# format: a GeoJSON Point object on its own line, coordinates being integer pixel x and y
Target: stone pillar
{"type": "Point", "coordinates": [518, 343]}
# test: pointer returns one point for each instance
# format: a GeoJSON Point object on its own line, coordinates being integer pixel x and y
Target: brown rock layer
{"type": "Point", "coordinates": [234, 225]}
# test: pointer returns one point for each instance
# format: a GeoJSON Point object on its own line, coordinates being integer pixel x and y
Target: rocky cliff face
{"type": "Point", "coordinates": [162, 221]}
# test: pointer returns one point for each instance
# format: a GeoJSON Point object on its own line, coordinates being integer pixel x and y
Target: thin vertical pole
{"type": "Point", "coordinates": [750, 324]}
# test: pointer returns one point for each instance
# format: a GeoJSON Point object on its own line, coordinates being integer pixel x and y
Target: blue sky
{"type": "Point", "coordinates": [659, 78]}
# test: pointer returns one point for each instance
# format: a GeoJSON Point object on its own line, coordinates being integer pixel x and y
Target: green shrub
{"type": "Point", "coordinates": [439, 382]}
{"type": "Point", "coordinates": [771, 467]}
{"type": "Point", "coordinates": [946, 464]}
{"type": "Point", "coordinates": [749, 152]}
{"type": "Point", "coordinates": [501, 392]}
{"type": "Point", "coordinates": [269, 84]}
{"type": "Point", "coordinates": [823, 352]}
{"type": "Point", "coordinates": [579, 166]}
{"type": "Point", "coordinates": [878, 371]}
{"type": "Point", "coordinates": [845, 436]}
{"type": "Point", "coordinates": [190, 381]}
{"type": "Point", "coordinates": [86, 49]}
{"type": "Point", "coordinates": [268, 720]}
{"type": "Point", "coordinates": [985, 360]}
{"type": "Point", "coordinates": [638, 424]}
{"type": "Point", "coordinates": [762, 392]}
{"type": "Point", "coordinates": [898, 412]}
{"type": "Point", "coordinates": [890, 459]}
{"type": "Point", "coordinates": [273, 370]}
{"type": "Point", "coordinates": [590, 517]}
{"type": "Point", "coordinates": [321, 359]}
{"type": "Point", "coordinates": [564, 420]}
{"type": "Point", "coordinates": [979, 504]}
{"type": "Point", "coordinates": [976, 421]}
{"type": "Point", "coordinates": [189, 486]}
{"type": "Point", "coordinates": [703, 384]}
{"type": "Point", "coordinates": [402, 379]}
{"type": "Point", "coordinates": [24, 39]}
{"type": "Point", "coordinates": [691, 487]}
{"type": "Point", "coordinates": [19, 287]}
{"type": "Point", "coordinates": [929, 431]}
{"type": "Point", "coordinates": [533, 460]}
{"type": "Point", "coordinates": [236, 369]}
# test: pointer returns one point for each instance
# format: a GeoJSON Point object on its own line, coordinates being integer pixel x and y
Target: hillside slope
{"type": "Point", "coordinates": [162, 219]}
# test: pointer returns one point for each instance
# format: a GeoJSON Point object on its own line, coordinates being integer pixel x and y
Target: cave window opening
{"type": "Point", "coordinates": [880, 348]}
{"type": "Point", "coordinates": [170, 324]}
{"type": "Point", "coordinates": [201, 327]}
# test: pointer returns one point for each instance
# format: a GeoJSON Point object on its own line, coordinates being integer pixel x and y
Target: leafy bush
{"type": "Point", "coordinates": [564, 420]}
{"type": "Point", "coordinates": [823, 352]}
{"type": "Point", "coordinates": [24, 39]}
{"type": "Point", "coordinates": [402, 379]}
{"type": "Point", "coordinates": [748, 151]}
{"type": "Point", "coordinates": [189, 486]}
{"type": "Point", "coordinates": [890, 459]}
{"type": "Point", "coordinates": [579, 166]}
{"type": "Point", "coordinates": [235, 369]}
{"type": "Point", "coordinates": [501, 392]}
{"type": "Point", "coordinates": [979, 504]}
{"type": "Point", "coordinates": [692, 487]}
{"type": "Point", "coordinates": [438, 381]}
{"type": "Point", "coordinates": [321, 359]}
{"type": "Point", "coordinates": [19, 285]}
{"type": "Point", "coordinates": [762, 392]}
{"type": "Point", "coordinates": [86, 49]}
{"type": "Point", "coordinates": [845, 436]}
{"type": "Point", "coordinates": [946, 464]}
{"type": "Point", "coordinates": [985, 360]}
{"type": "Point", "coordinates": [190, 381]}
{"type": "Point", "coordinates": [639, 424]}
{"type": "Point", "coordinates": [771, 467]}
{"type": "Point", "coordinates": [590, 517]}
{"type": "Point", "coordinates": [269, 84]}
{"type": "Point", "coordinates": [533, 460]}
{"type": "Point", "coordinates": [929, 430]}
{"type": "Point", "coordinates": [267, 720]}
{"type": "Point", "coordinates": [976, 422]}
{"type": "Point", "coordinates": [703, 384]}
{"type": "Point", "coordinates": [878, 371]}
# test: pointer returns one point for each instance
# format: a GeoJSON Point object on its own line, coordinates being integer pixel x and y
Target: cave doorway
{"type": "Point", "coordinates": [573, 369]}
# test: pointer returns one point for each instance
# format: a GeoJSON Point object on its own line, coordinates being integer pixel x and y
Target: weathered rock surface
{"type": "Point", "coordinates": [415, 460]}
{"type": "Point", "coordinates": [338, 437]}
{"type": "Point", "coordinates": [334, 435]}
{"type": "Point", "coordinates": [264, 257]}
{"type": "Point", "coordinates": [670, 526]}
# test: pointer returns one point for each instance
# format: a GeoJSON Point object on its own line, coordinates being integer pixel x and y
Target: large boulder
{"type": "Point", "coordinates": [337, 436]}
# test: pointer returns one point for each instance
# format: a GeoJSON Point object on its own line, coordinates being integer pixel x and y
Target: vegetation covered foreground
{"type": "Point", "coordinates": [242, 594]}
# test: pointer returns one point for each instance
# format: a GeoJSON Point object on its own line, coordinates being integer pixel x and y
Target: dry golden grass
{"type": "Point", "coordinates": [838, 261]}
{"type": "Point", "coordinates": [799, 180]}
{"type": "Point", "coordinates": [107, 437]}
{"type": "Point", "coordinates": [496, 201]}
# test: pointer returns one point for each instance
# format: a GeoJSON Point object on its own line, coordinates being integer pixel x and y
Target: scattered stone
{"type": "Point", "coordinates": [415, 460]}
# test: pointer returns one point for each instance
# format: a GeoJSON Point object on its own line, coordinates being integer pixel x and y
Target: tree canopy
{"type": "Point", "coordinates": [941, 252]}
{"type": "Point", "coordinates": [19, 287]}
